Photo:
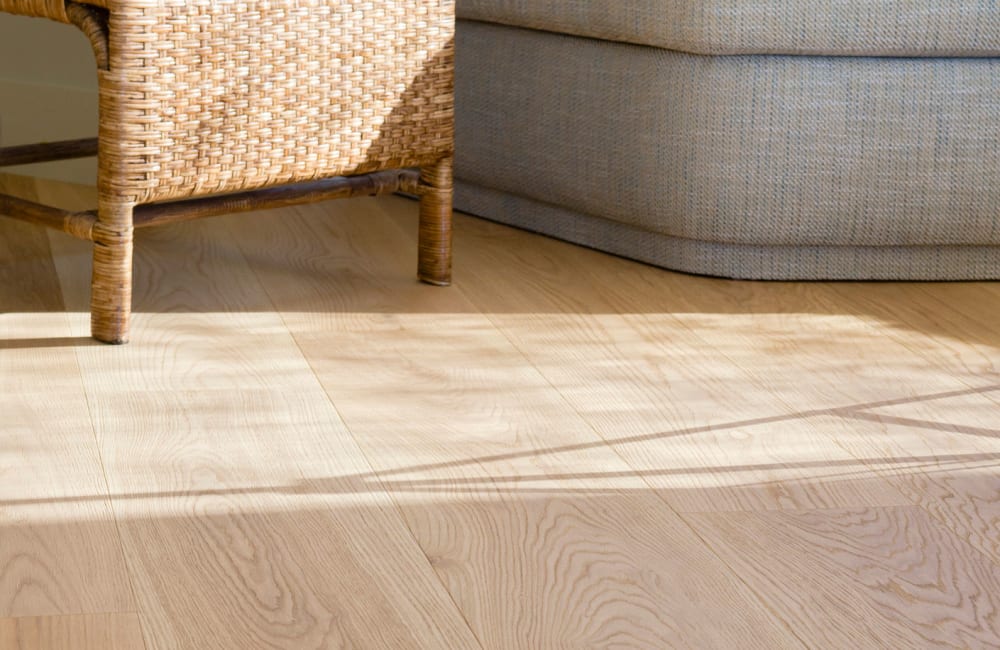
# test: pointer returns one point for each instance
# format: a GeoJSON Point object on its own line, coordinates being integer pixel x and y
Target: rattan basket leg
{"type": "Point", "coordinates": [434, 263]}
{"type": "Point", "coordinates": [111, 286]}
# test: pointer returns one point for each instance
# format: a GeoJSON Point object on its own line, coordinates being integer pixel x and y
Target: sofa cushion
{"type": "Point", "coordinates": [749, 150]}
{"type": "Point", "coordinates": [828, 27]}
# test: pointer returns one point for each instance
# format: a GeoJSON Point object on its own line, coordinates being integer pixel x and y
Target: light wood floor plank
{"type": "Point", "coordinates": [233, 546]}
{"type": "Point", "coordinates": [233, 478]}
{"type": "Point", "coordinates": [53, 499]}
{"type": "Point", "coordinates": [944, 454]}
{"type": "Point", "coordinates": [803, 343]}
{"type": "Point", "coordinates": [935, 446]}
{"type": "Point", "coordinates": [544, 537]}
{"type": "Point", "coordinates": [564, 450]}
{"type": "Point", "coordinates": [769, 323]}
{"type": "Point", "coordinates": [693, 423]}
{"type": "Point", "coordinates": [942, 451]}
{"type": "Point", "coordinates": [80, 632]}
{"type": "Point", "coordinates": [949, 326]}
{"type": "Point", "coordinates": [864, 578]}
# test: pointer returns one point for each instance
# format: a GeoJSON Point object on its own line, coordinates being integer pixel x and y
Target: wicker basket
{"type": "Point", "coordinates": [215, 106]}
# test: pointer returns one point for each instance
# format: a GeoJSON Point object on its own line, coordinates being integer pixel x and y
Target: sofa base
{"type": "Point", "coordinates": [781, 167]}
{"type": "Point", "coordinates": [738, 261]}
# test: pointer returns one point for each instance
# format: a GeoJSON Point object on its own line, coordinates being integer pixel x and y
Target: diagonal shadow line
{"type": "Point", "coordinates": [841, 411]}
{"type": "Point", "coordinates": [468, 486]}
{"type": "Point", "coordinates": [926, 424]}
{"type": "Point", "coordinates": [854, 411]}
{"type": "Point", "coordinates": [350, 484]}
{"type": "Point", "coordinates": [864, 467]}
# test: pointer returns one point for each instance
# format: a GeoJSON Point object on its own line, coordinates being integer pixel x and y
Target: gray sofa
{"type": "Point", "coordinates": [767, 139]}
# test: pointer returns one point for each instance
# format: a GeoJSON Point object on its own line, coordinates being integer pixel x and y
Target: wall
{"type": "Point", "coordinates": [48, 91]}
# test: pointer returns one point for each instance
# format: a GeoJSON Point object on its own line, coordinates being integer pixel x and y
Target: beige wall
{"type": "Point", "coordinates": [47, 90]}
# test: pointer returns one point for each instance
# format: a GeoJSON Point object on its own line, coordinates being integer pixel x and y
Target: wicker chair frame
{"type": "Point", "coordinates": [211, 107]}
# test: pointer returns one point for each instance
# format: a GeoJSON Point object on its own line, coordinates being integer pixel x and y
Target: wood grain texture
{"type": "Point", "coordinates": [80, 632]}
{"type": "Point", "coordinates": [542, 534]}
{"type": "Point", "coordinates": [693, 422]}
{"type": "Point", "coordinates": [53, 499]}
{"type": "Point", "coordinates": [944, 454]}
{"type": "Point", "coordinates": [863, 578]}
{"type": "Point", "coordinates": [952, 325]}
{"type": "Point", "coordinates": [305, 447]}
{"type": "Point", "coordinates": [233, 477]}
{"type": "Point", "coordinates": [527, 518]}
{"type": "Point", "coordinates": [942, 450]}
{"type": "Point", "coordinates": [233, 545]}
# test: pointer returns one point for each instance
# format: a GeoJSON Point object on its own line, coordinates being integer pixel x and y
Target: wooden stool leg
{"type": "Point", "coordinates": [434, 264]}
{"type": "Point", "coordinates": [111, 286]}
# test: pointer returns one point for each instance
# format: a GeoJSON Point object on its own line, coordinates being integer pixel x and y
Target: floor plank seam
{"type": "Point", "coordinates": [368, 465]}
{"type": "Point", "coordinates": [110, 501]}
{"type": "Point", "coordinates": [734, 574]}
{"type": "Point", "coordinates": [395, 503]}
{"type": "Point", "coordinates": [764, 602]}
{"type": "Point", "coordinates": [564, 449]}
{"type": "Point", "coordinates": [607, 445]}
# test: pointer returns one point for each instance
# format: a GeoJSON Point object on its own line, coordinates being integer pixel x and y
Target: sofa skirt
{"type": "Point", "coordinates": [764, 167]}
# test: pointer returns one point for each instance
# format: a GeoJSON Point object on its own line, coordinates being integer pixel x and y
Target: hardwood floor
{"type": "Point", "coordinates": [106, 631]}
{"type": "Point", "coordinates": [305, 448]}
{"type": "Point", "coordinates": [59, 553]}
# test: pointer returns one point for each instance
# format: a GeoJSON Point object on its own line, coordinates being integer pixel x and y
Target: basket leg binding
{"type": "Point", "coordinates": [111, 284]}
{"type": "Point", "coordinates": [434, 246]}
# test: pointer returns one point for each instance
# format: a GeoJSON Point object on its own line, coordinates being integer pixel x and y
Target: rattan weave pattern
{"type": "Point", "coordinates": [212, 96]}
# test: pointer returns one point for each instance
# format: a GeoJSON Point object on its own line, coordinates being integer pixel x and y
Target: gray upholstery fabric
{"type": "Point", "coordinates": [829, 27]}
{"type": "Point", "coordinates": [742, 261]}
{"type": "Point", "coordinates": [762, 151]}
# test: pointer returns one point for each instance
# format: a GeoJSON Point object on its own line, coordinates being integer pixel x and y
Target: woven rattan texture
{"type": "Point", "coordinates": [211, 96]}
